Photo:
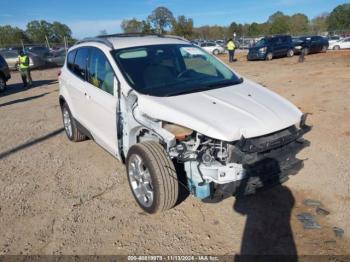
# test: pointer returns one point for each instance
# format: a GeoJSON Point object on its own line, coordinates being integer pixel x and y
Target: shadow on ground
{"type": "Point", "coordinates": [18, 87]}
{"type": "Point", "coordinates": [267, 230]}
{"type": "Point", "coordinates": [31, 143]}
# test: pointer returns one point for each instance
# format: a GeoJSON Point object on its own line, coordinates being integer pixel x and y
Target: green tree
{"type": "Point", "coordinates": [183, 26]}
{"type": "Point", "coordinates": [254, 30]}
{"type": "Point", "coordinates": [339, 18]}
{"type": "Point", "coordinates": [161, 18]}
{"type": "Point", "coordinates": [132, 26]}
{"type": "Point", "coordinates": [147, 27]}
{"type": "Point", "coordinates": [59, 31]}
{"type": "Point", "coordinates": [319, 23]}
{"type": "Point", "coordinates": [38, 30]}
{"type": "Point", "coordinates": [299, 24]}
{"type": "Point", "coordinates": [12, 36]}
{"type": "Point", "coordinates": [279, 23]}
{"type": "Point", "coordinates": [274, 16]}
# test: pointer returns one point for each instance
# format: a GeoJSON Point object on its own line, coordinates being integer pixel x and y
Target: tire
{"type": "Point", "coordinates": [324, 49]}
{"type": "Point", "coordinates": [152, 177]}
{"type": "Point", "coordinates": [269, 56]}
{"type": "Point", "coordinates": [336, 47]}
{"type": "Point", "coordinates": [70, 126]}
{"type": "Point", "coordinates": [216, 52]}
{"type": "Point", "coordinates": [2, 84]}
{"type": "Point", "coordinates": [290, 53]}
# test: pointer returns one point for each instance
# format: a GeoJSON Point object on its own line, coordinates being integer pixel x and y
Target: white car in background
{"type": "Point", "coordinates": [334, 39]}
{"type": "Point", "coordinates": [341, 44]}
{"type": "Point", "coordinates": [212, 48]}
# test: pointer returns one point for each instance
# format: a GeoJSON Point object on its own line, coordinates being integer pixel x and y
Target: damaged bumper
{"type": "Point", "coordinates": [252, 164]}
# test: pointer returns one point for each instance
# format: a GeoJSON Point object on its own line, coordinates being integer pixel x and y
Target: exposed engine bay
{"type": "Point", "coordinates": [217, 169]}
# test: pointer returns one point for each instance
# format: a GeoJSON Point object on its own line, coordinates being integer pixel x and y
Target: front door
{"type": "Point", "coordinates": [102, 101]}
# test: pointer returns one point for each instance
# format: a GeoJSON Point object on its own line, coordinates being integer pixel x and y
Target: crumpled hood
{"type": "Point", "coordinates": [227, 113]}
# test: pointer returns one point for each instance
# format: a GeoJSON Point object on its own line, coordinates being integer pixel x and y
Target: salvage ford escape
{"type": "Point", "coordinates": [168, 109]}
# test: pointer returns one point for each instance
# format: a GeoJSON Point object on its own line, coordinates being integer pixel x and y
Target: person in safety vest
{"type": "Point", "coordinates": [231, 50]}
{"type": "Point", "coordinates": [23, 61]}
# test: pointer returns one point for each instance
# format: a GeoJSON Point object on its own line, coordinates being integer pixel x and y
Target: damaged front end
{"type": "Point", "coordinates": [218, 169]}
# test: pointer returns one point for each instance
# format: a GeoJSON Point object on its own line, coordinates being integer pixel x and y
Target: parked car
{"type": "Point", "coordinates": [4, 73]}
{"type": "Point", "coordinates": [341, 44]}
{"type": "Point", "coordinates": [11, 58]}
{"type": "Point", "coordinates": [56, 58]}
{"type": "Point", "coordinates": [333, 39]}
{"type": "Point", "coordinates": [313, 44]}
{"type": "Point", "coordinates": [154, 101]}
{"type": "Point", "coordinates": [269, 47]}
{"type": "Point", "coordinates": [212, 48]}
{"type": "Point", "coordinates": [40, 51]}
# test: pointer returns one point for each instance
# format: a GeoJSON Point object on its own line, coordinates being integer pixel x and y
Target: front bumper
{"type": "Point", "coordinates": [274, 168]}
{"type": "Point", "coordinates": [256, 56]}
{"type": "Point", "coordinates": [267, 161]}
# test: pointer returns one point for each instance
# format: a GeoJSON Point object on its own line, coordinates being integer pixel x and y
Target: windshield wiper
{"type": "Point", "coordinates": [226, 83]}
{"type": "Point", "coordinates": [209, 87]}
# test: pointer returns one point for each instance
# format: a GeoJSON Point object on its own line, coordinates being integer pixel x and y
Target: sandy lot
{"type": "Point", "coordinates": [59, 197]}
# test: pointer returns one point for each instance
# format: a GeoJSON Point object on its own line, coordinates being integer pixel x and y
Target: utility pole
{"type": "Point", "coordinates": [47, 42]}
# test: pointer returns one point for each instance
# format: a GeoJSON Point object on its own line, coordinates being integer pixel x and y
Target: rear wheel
{"type": "Point", "coordinates": [290, 53]}
{"type": "Point", "coordinates": [2, 83]}
{"type": "Point", "coordinates": [336, 47]}
{"type": "Point", "coordinates": [324, 49]}
{"type": "Point", "coordinates": [152, 177]}
{"type": "Point", "coordinates": [70, 126]}
{"type": "Point", "coordinates": [269, 56]}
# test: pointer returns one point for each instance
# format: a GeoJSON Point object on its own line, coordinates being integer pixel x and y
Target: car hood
{"type": "Point", "coordinates": [227, 113]}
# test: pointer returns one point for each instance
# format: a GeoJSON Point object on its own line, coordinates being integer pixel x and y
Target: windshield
{"type": "Point", "coordinates": [167, 70]}
{"type": "Point", "coordinates": [261, 43]}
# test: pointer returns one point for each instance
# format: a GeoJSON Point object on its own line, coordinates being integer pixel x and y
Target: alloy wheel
{"type": "Point", "coordinates": [140, 181]}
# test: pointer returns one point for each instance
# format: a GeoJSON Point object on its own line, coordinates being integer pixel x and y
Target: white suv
{"type": "Point", "coordinates": [178, 118]}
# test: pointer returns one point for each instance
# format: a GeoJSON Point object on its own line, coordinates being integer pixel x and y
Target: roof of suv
{"type": "Point", "coordinates": [119, 41]}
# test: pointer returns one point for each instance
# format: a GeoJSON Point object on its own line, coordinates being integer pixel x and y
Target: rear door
{"type": "Point", "coordinates": [315, 44]}
{"type": "Point", "coordinates": [102, 101]}
{"type": "Point", "coordinates": [76, 84]}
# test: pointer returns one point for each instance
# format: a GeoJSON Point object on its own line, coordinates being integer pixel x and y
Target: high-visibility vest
{"type": "Point", "coordinates": [23, 62]}
{"type": "Point", "coordinates": [231, 45]}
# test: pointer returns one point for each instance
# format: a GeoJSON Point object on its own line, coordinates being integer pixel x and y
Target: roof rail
{"type": "Point", "coordinates": [141, 35]}
{"type": "Point", "coordinates": [96, 39]}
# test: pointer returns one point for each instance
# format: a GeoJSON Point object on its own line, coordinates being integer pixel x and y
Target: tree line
{"type": "Point", "coordinates": [36, 32]}
{"type": "Point", "coordinates": [162, 20]}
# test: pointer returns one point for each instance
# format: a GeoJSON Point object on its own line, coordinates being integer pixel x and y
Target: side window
{"type": "Point", "coordinates": [100, 72]}
{"type": "Point", "coordinates": [211, 44]}
{"type": "Point", "coordinates": [70, 59]}
{"type": "Point", "coordinates": [80, 61]}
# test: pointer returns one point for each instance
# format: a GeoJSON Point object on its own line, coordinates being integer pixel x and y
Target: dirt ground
{"type": "Point", "coordinates": [59, 197]}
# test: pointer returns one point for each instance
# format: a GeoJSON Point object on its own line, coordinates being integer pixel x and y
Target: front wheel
{"type": "Point", "coordinates": [152, 177]}
{"type": "Point", "coordinates": [290, 53]}
{"type": "Point", "coordinates": [324, 49]}
{"type": "Point", "coordinates": [216, 52]}
{"type": "Point", "coordinates": [336, 47]}
{"type": "Point", "coordinates": [2, 84]}
{"type": "Point", "coordinates": [269, 56]}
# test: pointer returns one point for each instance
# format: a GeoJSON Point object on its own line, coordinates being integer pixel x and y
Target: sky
{"type": "Point", "coordinates": [88, 18]}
